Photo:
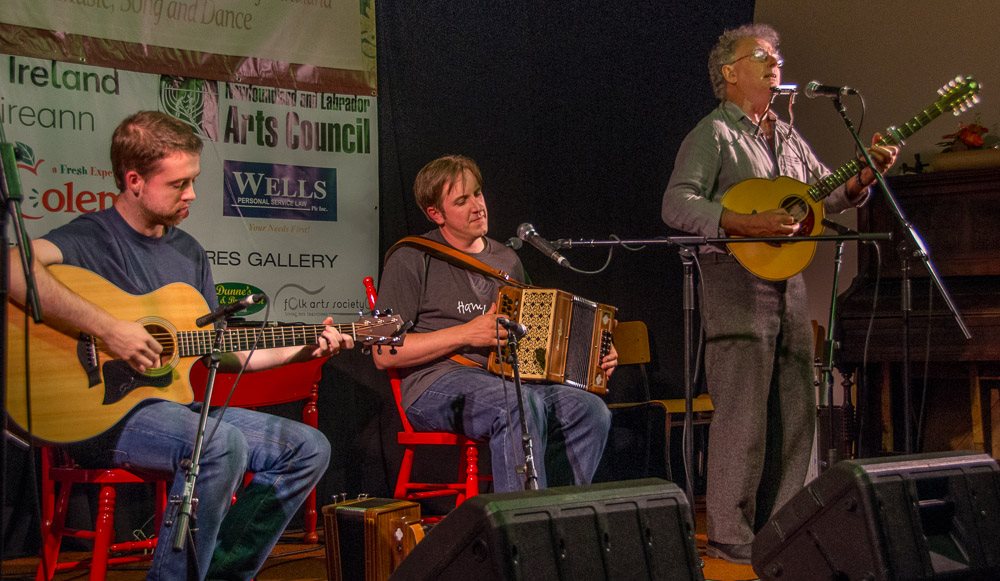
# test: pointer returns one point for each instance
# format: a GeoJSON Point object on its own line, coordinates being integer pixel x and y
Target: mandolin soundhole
{"type": "Point", "coordinates": [802, 212]}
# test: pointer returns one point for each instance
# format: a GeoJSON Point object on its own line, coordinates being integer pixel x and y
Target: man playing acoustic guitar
{"type": "Point", "coordinates": [137, 246]}
{"type": "Point", "coordinates": [758, 351]}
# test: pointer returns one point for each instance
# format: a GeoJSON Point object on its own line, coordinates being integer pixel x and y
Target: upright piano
{"type": "Point", "coordinates": [957, 214]}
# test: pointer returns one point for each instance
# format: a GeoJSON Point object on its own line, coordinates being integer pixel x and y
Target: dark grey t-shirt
{"type": "Point", "coordinates": [105, 244]}
{"type": "Point", "coordinates": [435, 295]}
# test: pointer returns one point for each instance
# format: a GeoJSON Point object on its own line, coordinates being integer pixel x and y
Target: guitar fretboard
{"type": "Point", "coordinates": [197, 343]}
{"type": "Point", "coordinates": [956, 97]}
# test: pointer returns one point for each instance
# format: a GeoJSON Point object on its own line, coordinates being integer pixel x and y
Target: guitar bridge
{"type": "Point", "coordinates": [86, 354]}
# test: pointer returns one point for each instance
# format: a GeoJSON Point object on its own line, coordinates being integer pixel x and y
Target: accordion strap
{"type": "Point", "coordinates": [456, 257]}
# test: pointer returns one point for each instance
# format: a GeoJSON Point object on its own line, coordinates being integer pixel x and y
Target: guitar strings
{"type": "Point", "coordinates": [290, 331]}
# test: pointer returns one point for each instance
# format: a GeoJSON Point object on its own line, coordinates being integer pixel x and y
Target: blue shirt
{"type": "Point", "coordinates": [104, 243]}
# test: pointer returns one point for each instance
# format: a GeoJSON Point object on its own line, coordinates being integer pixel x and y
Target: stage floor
{"type": "Point", "coordinates": [293, 560]}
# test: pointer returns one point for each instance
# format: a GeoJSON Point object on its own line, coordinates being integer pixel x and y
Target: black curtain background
{"type": "Point", "coordinates": [574, 111]}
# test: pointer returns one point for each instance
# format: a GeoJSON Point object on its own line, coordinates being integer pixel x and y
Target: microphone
{"type": "Point", "coordinates": [514, 243]}
{"type": "Point", "coordinates": [225, 311]}
{"type": "Point", "coordinates": [10, 183]}
{"type": "Point", "coordinates": [516, 329]}
{"type": "Point", "coordinates": [839, 228]}
{"type": "Point", "coordinates": [816, 89]}
{"type": "Point", "coordinates": [527, 233]}
{"type": "Point", "coordinates": [785, 89]}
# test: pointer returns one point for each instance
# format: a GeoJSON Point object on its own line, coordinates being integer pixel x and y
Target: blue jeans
{"type": "Point", "coordinates": [568, 426]}
{"type": "Point", "coordinates": [232, 541]}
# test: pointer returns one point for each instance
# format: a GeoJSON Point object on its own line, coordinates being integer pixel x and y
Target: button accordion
{"type": "Point", "coordinates": [567, 337]}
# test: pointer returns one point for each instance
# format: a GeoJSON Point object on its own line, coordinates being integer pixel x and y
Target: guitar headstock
{"type": "Point", "coordinates": [959, 94]}
{"type": "Point", "coordinates": [379, 329]}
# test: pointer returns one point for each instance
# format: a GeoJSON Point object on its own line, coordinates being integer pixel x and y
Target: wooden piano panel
{"type": "Point", "coordinates": [958, 215]}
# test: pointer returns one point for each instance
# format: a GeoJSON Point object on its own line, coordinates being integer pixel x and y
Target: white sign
{"type": "Point", "coordinates": [325, 33]}
{"type": "Point", "coordinates": [288, 195]}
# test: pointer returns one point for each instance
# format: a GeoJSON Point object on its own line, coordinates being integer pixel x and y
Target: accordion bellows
{"type": "Point", "coordinates": [566, 340]}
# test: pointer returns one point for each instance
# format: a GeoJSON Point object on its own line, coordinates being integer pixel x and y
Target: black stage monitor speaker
{"type": "Point", "coordinates": [924, 516]}
{"type": "Point", "coordinates": [640, 529]}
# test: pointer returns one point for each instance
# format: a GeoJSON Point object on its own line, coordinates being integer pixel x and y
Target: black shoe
{"type": "Point", "coordinates": [739, 554]}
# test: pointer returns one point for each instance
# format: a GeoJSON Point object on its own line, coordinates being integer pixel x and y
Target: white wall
{"type": "Point", "coordinates": [897, 53]}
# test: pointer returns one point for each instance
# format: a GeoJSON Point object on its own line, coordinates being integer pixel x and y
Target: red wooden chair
{"type": "Point", "coordinates": [60, 475]}
{"type": "Point", "coordinates": [285, 384]}
{"type": "Point", "coordinates": [467, 482]}
{"type": "Point", "coordinates": [289, 383]}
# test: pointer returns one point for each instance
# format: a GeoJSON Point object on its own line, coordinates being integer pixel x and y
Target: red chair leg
{"type": "Point", "coordinates": [309, 519]}
{"type": "Point", "coordinates": [471, 474]}
{"type": "Point", "coordinates": [52, 533]}
{"type": "Point", "coordinates": [403, 480]}
{"type": "Point", "coordinates": [104, 531]}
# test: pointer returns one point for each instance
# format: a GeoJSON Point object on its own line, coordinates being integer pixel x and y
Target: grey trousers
{"type": "Point", "coordinates": [758, 367]}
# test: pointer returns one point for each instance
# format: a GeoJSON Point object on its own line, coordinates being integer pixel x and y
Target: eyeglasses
{"type": "Point", "coordinates": [760, 55]}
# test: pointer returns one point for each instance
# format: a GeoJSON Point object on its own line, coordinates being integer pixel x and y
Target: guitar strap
{"type": "Point", "coordinates": [461, 260]}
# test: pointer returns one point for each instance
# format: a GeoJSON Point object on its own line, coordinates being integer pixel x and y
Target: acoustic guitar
{"type": "Point", "coordinates": [779, 261]}
{"type": "Point", "coordinates": [78, 391]}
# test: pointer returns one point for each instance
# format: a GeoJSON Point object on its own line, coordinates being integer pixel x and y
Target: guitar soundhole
{"type": "Point", "coordinates": [166, 339]}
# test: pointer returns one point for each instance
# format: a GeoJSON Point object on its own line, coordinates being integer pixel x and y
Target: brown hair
{"type": "Point", "coordinates": [142, 139]}
{"type": "Point", "coordinates": [428, 187]}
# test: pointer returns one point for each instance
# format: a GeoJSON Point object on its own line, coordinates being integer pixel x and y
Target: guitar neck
{"type": "Point", "coordinates": [198, 343]}
{"type": "Point", "coordinates": [893, 136]}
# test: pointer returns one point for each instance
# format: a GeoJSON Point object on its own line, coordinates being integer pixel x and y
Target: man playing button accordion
{"type": "Point", "coordinates": [454, 313]}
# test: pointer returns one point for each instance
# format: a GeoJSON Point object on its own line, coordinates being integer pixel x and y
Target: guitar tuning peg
{"type": "Point", "coordinates": [392, 350]}
{"type": "Point", "coordinates": [366, 350]}
{"type": "Point", "coordinates": [379, 350]}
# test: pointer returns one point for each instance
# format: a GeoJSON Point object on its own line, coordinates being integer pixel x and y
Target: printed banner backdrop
{"type": "Point", "coordinates": [287, 198]}
{"type": "Point", "coordinates": [283, 30]}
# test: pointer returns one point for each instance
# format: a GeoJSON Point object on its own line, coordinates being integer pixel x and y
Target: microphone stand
{"type": "Point", "coordinates": [687, 438]}
{"type": "Point", "coordinates": [188, 503]}
{"type": "Point", "coordinates": [684, 244]}
{"type": "Point", "coordinates": [10, 195]}
{"type": "Point", "coordinates": [920, 252]}
{"type": "Point", "coordinates": [826, 366]}
{"type": "Point", "coordinates": [530, 472]}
